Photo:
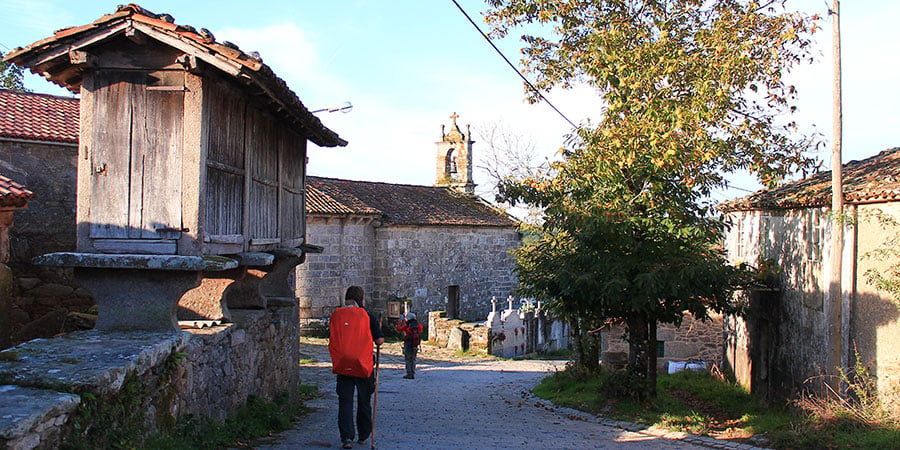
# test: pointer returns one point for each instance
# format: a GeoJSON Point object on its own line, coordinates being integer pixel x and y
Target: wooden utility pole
{"type": "Point", "coordinates": [833, 311]}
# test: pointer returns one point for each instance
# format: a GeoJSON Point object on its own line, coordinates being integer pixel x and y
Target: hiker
{"type": "Point", "coordinates": [351, 355]}
{"type": "Point", "coordinates": [413, 332]}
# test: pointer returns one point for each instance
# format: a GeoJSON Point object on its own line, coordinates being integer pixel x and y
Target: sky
{"type": "Point", "coordinates": [407, 65]}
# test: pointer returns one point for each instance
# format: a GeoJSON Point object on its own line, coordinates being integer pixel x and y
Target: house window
{"type": "Point", "coordinates": [740, 249]}
{"type": "Point", "coordinates": [815, 235]}
{"type": "Point", "coordinates": [660, 349]}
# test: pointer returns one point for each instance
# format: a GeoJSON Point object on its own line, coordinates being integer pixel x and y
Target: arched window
{"type": "Point", "coordinates": [450, 163]}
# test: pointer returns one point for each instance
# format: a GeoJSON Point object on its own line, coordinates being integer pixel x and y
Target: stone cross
{"type": "Point", "coordinates": [453, 117]}
{"type": "Point", "coordinates": [510, 301]}
{"type": "Point", "coordinates": [494, 304]}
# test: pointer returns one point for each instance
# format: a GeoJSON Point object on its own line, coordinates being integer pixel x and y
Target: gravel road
{"type": "Point", "coordinates": [462, 403]}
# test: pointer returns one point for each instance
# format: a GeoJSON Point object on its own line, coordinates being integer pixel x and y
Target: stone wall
{"type": "Point", "coordinates": [796, 240]}
{"type": "Point", "coordinates": [347, 260]}
{"type": "Point", "coordinates": [207, 373]}
{"type": "Point", "coordinates": [693, 340]}
{"type": "Point", "coordinates": [420, 263]}
{"type": "Point", "coordinates": [41, 298]}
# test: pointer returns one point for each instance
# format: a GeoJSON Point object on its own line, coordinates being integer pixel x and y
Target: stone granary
{"type": "Point", "coordinates": [190, 185]}
{"type": "Point", "coordinates": [188, 148]}
{"type": "Point", "coordinates": [434, 247]}
{"type": "Point", "coordinates": [787, 232]}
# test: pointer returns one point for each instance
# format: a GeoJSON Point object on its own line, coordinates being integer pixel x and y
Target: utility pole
{"type": "Point", "coordinates": [833, 316]}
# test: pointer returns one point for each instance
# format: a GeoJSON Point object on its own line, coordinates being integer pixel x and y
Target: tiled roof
{"type": "Point", "coordinates": [872, 179]}
{"type": "Point", "coordinates": [13, 194]}
{"type": "Point", "coordinates": [38, 117]}
{"type": "Point", "coordinates": [400, 204]}
{"type": "Point", "coordinates": [51, 57]}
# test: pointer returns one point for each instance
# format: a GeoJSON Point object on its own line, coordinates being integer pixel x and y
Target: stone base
{"type": "Point", "coordinates": [130, 299]}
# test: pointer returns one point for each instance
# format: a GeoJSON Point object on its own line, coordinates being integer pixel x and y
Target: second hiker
{"type": "Point", "coordinates": [413, 331]}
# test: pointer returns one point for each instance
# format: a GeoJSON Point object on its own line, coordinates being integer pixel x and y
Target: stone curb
{"type": "Point", "coordinates": [646, 430]}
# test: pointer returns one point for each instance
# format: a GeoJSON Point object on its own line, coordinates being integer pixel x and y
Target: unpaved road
{"type": "Point", "coordinates": [460, 403]}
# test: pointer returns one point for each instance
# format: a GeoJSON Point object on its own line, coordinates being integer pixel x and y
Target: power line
{"type": "Point", "coordinates": [528, 83]}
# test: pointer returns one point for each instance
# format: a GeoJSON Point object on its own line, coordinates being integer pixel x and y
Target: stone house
{"type": "Point", "coordinates": [782, 342]}
{"type": "Point", "coordinates": [38, 147]}
{"type": "Point", "coordinates": [435, 247]}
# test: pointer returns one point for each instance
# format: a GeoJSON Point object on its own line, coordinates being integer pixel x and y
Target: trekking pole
{"type": "Point", "coordinates": [375, 406]}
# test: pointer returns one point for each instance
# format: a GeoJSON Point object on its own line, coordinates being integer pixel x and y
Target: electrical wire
{"type": "Point", "coordinates": [528, 83]}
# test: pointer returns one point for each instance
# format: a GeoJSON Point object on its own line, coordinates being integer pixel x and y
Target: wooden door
{"type": "Point", "coordinates": [136, 160]}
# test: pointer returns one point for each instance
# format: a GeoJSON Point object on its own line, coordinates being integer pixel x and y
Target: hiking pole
{"type": "Point", "coordinates": [375, 407]}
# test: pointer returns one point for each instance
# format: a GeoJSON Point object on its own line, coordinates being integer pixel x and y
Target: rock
{"type": "Point", "coordinates": [51, 290]}
{"type": "Point", "coordinates": [76, 321]}
{"type": "Point", "coordinates": [48, 325]}
{"type": "Point", "coordinates": [459, 339]}
{"type": "Point", "coordinates": [28, 283]}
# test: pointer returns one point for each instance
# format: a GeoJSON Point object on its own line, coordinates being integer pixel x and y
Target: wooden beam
{"type": "Point", "coordinates": [82, 58]}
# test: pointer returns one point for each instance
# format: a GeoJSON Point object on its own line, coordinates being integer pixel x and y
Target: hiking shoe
{"type": "Point", "coordinates": [362, 440]}
{"type": "Point", "coordinates": [347, 443]}
{"type": "Point", "coordinates": [408, 377]}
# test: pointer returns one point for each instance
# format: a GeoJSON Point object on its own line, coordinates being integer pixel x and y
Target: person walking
{"type": "Point", "coordinates": [412, 330]}
{"type": "Point", "coordinates": [353, 331]}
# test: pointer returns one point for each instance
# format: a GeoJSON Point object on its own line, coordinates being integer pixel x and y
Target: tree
{"type": "Point", "coordinates": [11, 76]}
{"type": "Point", "coordinates": [508, 154]}
{"type": "Point", "coordinates": [690, 90]}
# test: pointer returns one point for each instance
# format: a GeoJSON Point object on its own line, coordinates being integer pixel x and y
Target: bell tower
{"type": "Point", "coordinates": [454, 158]}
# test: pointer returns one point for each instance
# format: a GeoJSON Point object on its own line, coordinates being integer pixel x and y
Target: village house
{"type": "Point", "coordinates": [423, 248]}
{"type": "Point", "coordinates": [787, 230]}
{"type": "Point", "coordinates": [38, 148]}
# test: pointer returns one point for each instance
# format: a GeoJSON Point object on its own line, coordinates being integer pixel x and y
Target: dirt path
{"type": "Point", "coordinates": [461, 403]}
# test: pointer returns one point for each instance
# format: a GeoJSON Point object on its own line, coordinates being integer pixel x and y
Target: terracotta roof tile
{"type": "Point", "coordinates": [13, 194]}
{"type": "Point", "coordinates": [872, 179]}
{"type": "Point", "coordinates": [38, 117]}
{"type": "Point", "coordinates": [401, 204]}
{"type": "Point", "coordinates": [50, 55]}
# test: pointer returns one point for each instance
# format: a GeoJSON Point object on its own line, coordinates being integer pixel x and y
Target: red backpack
{"type": "Point", "coordinates": [413, 337]}
{"type": "Point", "coordinates": [351, 342]}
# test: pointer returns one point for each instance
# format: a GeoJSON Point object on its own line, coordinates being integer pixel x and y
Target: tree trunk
{"type": "Point", "coordinates": [638, 358]}
{"type": "Point", "coordinates": [651, 357]}
{"type": "Point", "coordinates": [585, 345]}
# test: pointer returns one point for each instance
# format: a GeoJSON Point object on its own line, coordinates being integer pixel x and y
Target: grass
{"type": "Point", "coordinates": [698, 403]}
{"type": "Point", "coordinates": [255, 419]}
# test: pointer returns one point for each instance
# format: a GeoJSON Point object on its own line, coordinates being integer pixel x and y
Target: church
{"type": "Point", "coordinates": [416, 248]}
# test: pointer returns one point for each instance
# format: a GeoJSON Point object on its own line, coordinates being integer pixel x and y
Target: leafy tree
{"type": "Point", "coordinates": [691, 91]}
{"type": "Point", "coordinates": [11, 76]}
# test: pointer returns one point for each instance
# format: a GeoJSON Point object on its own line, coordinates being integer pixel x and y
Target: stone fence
{"type": "Point", "coordinates": [509, 333]}
{"type": "Point", "coordinates": [207, 372]}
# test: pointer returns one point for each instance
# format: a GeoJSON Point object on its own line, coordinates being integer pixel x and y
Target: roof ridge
{"type": "Point", "coordinates": [6, 91]}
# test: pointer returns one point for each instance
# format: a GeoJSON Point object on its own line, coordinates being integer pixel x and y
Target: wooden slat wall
{"type": "Point", "coordinates": [157, 119]}
{"type": "Point", "coordinates": [110, 157]}
{"type": "Point", "coordinates": [293, 157]}
{"type": "Point", "coordinates": [226, 171]}
{"type": "Point", "coordinates": [262, 138]}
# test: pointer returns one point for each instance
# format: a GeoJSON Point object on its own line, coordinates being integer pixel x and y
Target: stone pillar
{"type": "Point", "coordinates": [133, 299]}
{"type": "Point", "coordinates": [274, 286]}
{"type": "Point", "coordinates": [6, 287]}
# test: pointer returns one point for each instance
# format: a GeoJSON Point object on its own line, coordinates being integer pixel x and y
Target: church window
{"type": "Point", "coordinates": [450, 164]}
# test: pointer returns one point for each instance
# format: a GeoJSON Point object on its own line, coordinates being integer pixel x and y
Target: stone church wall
{"type": "Point", "coordinates": [347, 260]}
{"type": "Point", "coordinates": [421, 263]}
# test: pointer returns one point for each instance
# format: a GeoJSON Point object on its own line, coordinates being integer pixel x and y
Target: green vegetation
{"type": "Point", "coordinates": [700, 404]}
{"type": "Point", "coordinates": [688, 92]}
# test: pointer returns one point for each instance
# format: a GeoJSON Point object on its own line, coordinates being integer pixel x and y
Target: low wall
{"type": "Point", "coordinates": [693, 340]}
{"type": "Point", "coordinates": [45, 384]}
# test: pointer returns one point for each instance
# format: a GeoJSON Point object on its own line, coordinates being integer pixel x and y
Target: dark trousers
{"type": "Point", "coordinates": [409, 356]}
{"type": "Point", "coordinates": [364, 388]}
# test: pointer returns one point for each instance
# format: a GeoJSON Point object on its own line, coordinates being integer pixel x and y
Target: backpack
{"type": "Point", "coordinates": [351, 342]}
{"type": "Point", "coordinates": [413, 338]}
